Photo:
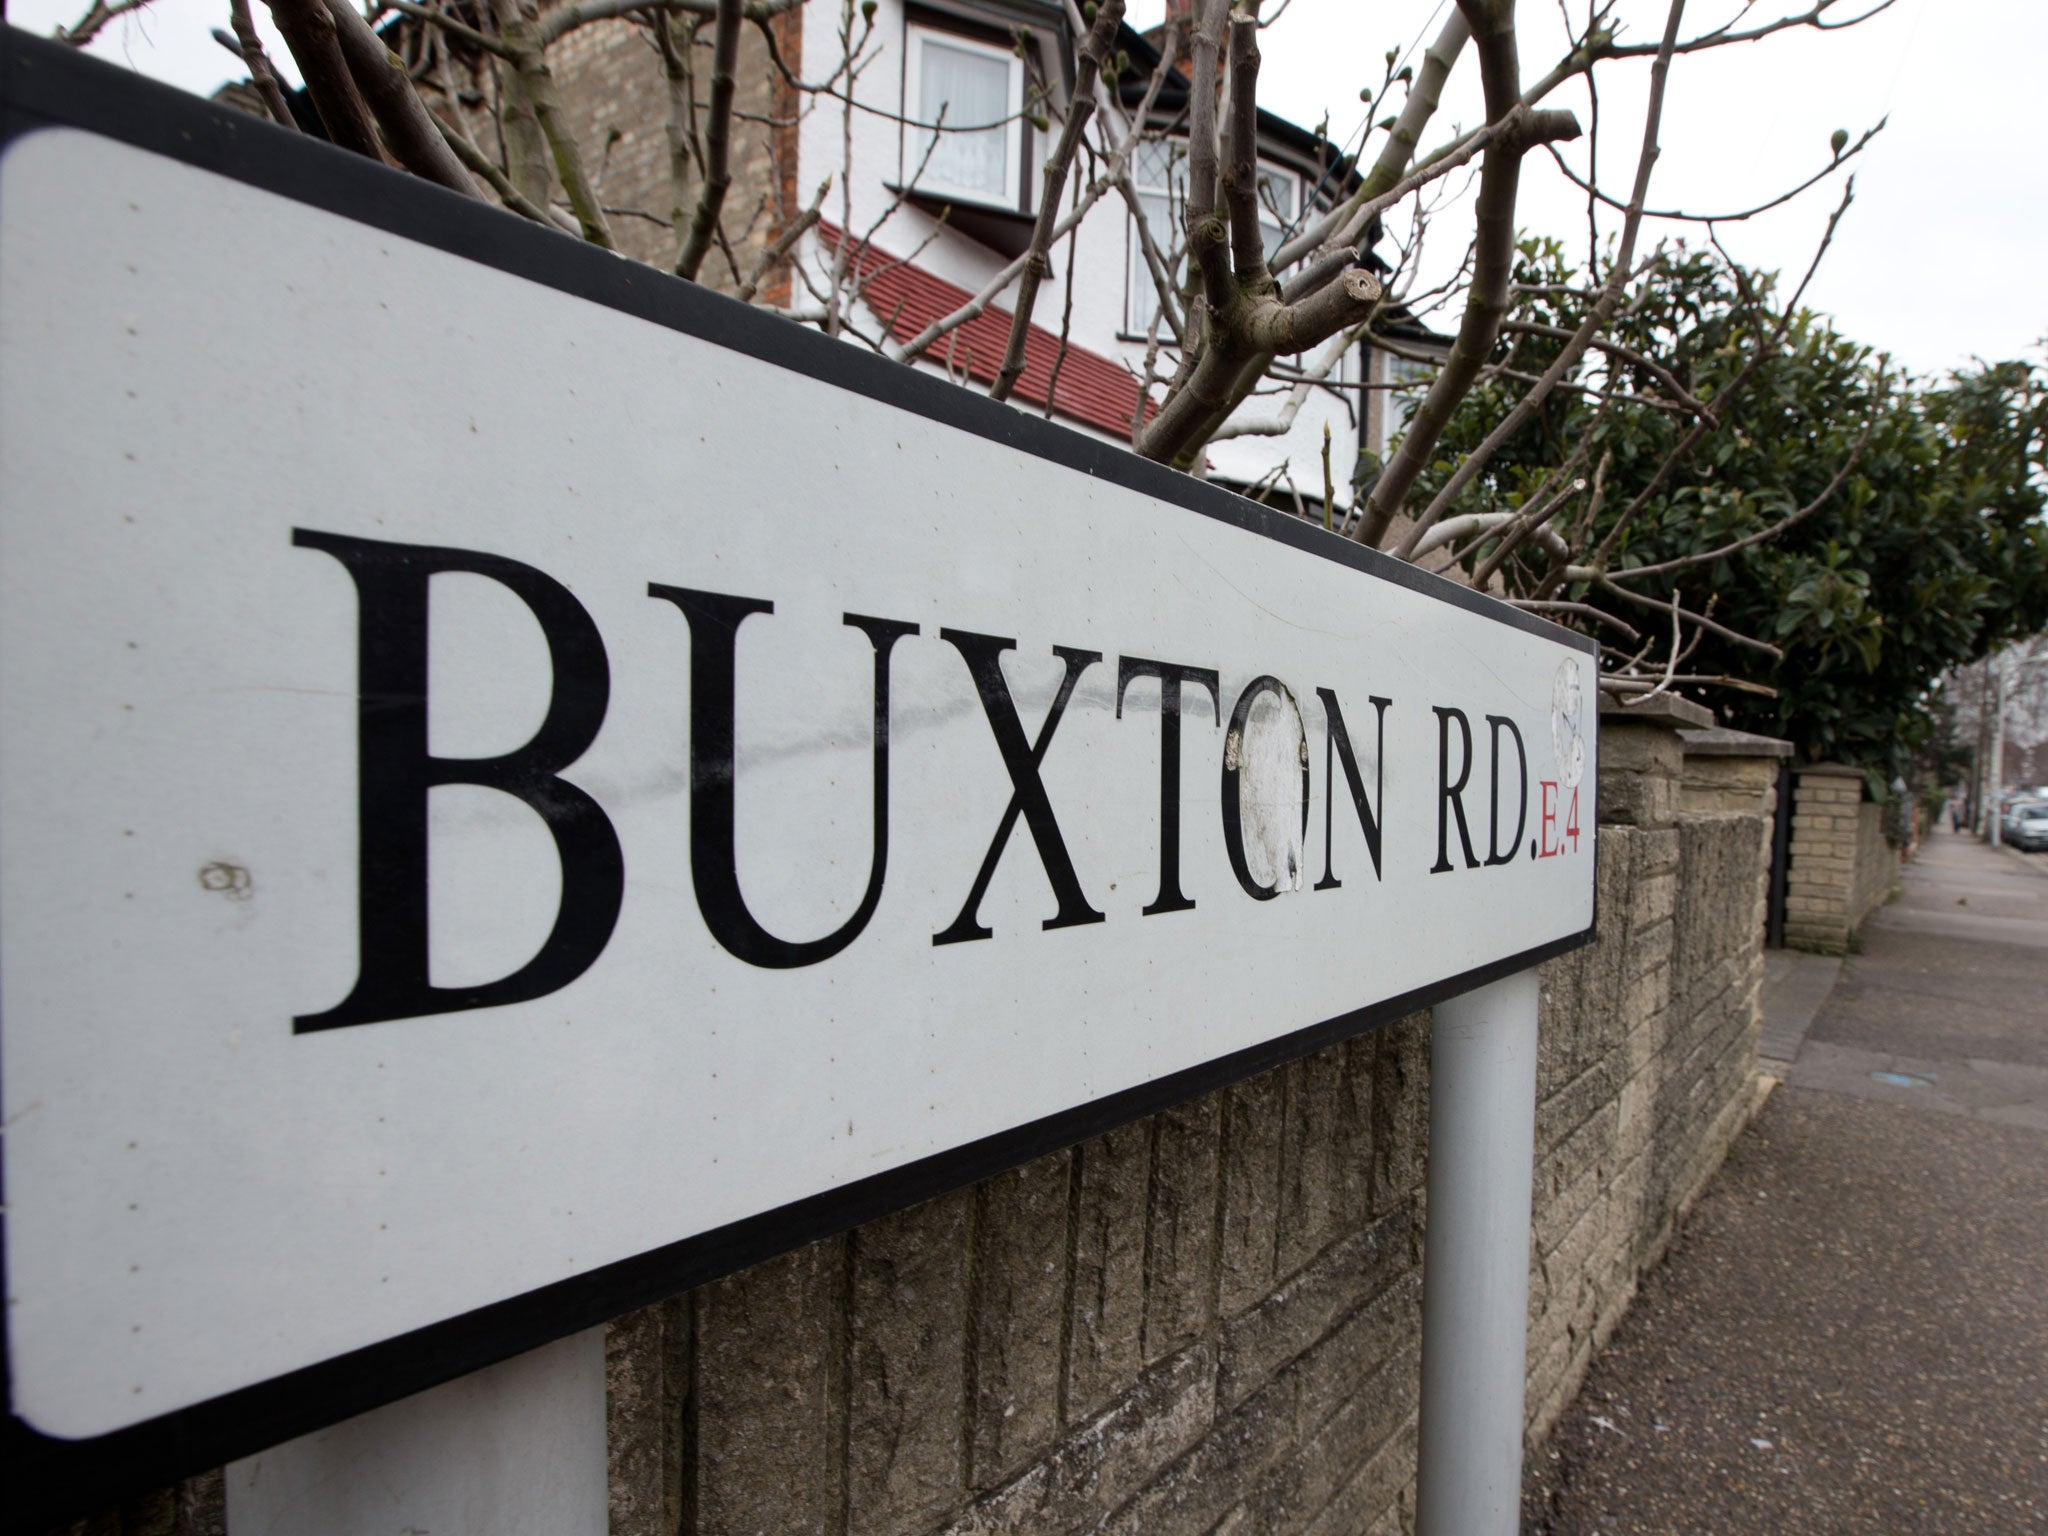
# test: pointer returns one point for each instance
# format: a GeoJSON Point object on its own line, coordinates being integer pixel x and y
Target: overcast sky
{"type": "Point", "coordinates": [1943, 255]}
{"type": "Point", "coordinates": [1942, 258]}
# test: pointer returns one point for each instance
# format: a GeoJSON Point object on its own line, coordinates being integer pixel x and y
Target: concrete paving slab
{"type": "Point", "coordinates": [2011, 1093]}
{"type": "Point", "coordinates": [1850, 1333]}
{"type": "Point", "coordinates": [1795, 986]}
{"type": "Point", "coordinates": [1849, 1338]}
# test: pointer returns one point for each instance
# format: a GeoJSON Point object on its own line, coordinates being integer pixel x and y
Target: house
{"type": "Point", "coordinates": [932, 118]}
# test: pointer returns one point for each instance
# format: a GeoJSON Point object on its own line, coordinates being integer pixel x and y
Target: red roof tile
{"type": "Point", "coordinates": [1091, 388]}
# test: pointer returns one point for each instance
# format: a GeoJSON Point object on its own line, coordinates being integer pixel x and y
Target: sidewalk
{"type": "Point", "coordinates": [1851, 1332]}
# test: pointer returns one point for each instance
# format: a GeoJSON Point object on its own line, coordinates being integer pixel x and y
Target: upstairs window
{"type": "Point", "coordinates": [1159, 174]}
{"type": "Point", "coordinates": [974, 92]}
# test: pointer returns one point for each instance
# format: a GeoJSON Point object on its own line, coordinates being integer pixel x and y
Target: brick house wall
{"type": "Point", "coordinates": [615, 95]}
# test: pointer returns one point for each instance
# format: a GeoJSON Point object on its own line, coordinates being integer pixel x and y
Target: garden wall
{"type": "Point", "coordinates": [1207, 1320]}
{"type": "Point", "coordinates": [1843, 864]}
{"type": "Point", "coordinates": [1210, 1320]}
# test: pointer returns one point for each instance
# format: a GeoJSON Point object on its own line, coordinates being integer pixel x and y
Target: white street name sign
{"type": "Point", "coordinates": [524, 785]}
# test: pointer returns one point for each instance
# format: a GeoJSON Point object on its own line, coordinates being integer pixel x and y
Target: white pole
{"type": "Point", "coordinates": [1997, 774]}
{"type": "Point", "coordinates": [1475, 1279]}
{"type": "Point", "coordinates": [514, 1450]}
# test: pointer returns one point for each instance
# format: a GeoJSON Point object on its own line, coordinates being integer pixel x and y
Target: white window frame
{"type": "Point", "coordinates": [916, 36]}
{"type": "Point", "coordinates": [1139, 293]}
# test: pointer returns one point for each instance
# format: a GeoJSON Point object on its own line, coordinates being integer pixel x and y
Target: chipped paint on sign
{"type": "Point", "coordinates": [1269, 752]}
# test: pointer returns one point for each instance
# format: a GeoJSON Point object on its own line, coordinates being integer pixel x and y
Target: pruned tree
{"type": "Point", "coordinates": [1246, 325]}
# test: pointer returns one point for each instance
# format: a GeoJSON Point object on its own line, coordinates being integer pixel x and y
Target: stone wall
{"type": "Point", "coordinates": [1877, 862]}
{"type": "Point", "coordinates": [1842, 863]}
{"type": "Point", "coordinates": [1208, 1320]}
{"type": "Point", "coordinates": [1731, 771]}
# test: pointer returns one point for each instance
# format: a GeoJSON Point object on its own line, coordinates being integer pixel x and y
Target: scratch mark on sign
{"type": "Point", "coordinates": [1290, 622]}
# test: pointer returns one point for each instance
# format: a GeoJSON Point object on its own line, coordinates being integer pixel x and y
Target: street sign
{"type": "Point", "coordinates": [525, 786]}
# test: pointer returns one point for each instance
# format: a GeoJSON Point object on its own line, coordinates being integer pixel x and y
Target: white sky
{"type": "Point", "coordinates": [1941, 259]}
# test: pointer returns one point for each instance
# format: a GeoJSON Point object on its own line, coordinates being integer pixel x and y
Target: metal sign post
{"type": "Point", "coordinates": [516, 1449]}
{"type": "Point", "coordinates": [488, 730]}
{"type": "Point", "coordinates": [1475, 1273]}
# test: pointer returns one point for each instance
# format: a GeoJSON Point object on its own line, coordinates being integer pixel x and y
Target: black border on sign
{"type": "Point", "coordinates": [44, 85]}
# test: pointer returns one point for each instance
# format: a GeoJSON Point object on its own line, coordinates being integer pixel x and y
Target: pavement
{"type": "Point", "coordinates": [1850, 1332]}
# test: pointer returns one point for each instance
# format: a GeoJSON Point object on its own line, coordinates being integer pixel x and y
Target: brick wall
{"type": "Point", "coordinates": [616, 96]}
{"type": "Point", "coordinates": [1842, 863]}
{"type": "Point", "coordinates": [615, 93]}
{"type": "Point", "coordinates": [1208, 1320]}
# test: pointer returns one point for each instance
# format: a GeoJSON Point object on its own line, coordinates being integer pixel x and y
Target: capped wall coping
{"type": "Point", "coordinates": [1828, 771]}
{"type": "Point", "coordinates": [1666, 709]}
{"type": "Point", "coordinates": [1722, 741]}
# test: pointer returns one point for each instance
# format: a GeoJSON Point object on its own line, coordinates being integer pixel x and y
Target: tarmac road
{"type": "Point", "coordinates": [1851, 1332]}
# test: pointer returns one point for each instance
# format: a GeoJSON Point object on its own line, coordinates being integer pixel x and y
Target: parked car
{"type": "Point", "coordinates": [2026, 826]}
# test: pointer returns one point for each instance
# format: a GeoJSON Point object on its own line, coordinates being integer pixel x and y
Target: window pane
{"type": "Point", "coordinates": [1401, 403]}
{"type": "Point", "coordinates": [971, 89]}
{"type": "Point", "coordinates": [1151, 160]}
{"type": "Point", "coordinates": [1276, 195]}
{"type": "Point", "coordinates": [1162, 218]}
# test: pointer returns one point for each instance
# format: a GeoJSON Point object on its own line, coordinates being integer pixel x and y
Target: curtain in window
{"type": "Point", "coordinates": [972, 88]}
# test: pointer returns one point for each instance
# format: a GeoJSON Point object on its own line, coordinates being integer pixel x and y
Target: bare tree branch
{"type": "Point", "coordinates": [1536, 516]}
{"type": "Point", "coordinates": [562, 20]}
{"type": "Point", "coordinates": [1399, 150]}
{"type": "Point", "coordinates": [977, 305]}
{"type": "Point", "coordinates": [408, 128]}
{"type": "Point", "coordinates": [1734, 637]}
{"type": "Point", "coordinates": [1318, 372]}
{"type": "Point", "coordinates": [1626, 354]}
{"type": "Point", "coordinates": [1094, 48]}
{"type": "Point", "coordinates": [482, 164]}
{"type": "Point", "coordinates": [261, 71]}
{"type": "Point", "coordinates": [519, 28]}
{"type": "Point", "coordinates": [1597, 318]}
{"type": "Point", "coordinates": [449, 25]}
{"type": "Point", "coordinates": [1208, 238]}
{"type": "Point", "coordinates": [1779, 201]}
{"type": "Point", "coordinates": [1723, 36]}
{"type": "Point", "coordinates": [1579, 610]}
{"type": "Point", "coordinates": [725, 48]}
{"type": "Point", "coordinates": [1767, 346]}
{"type": "Point", "coordinates": [1240, 159]}
{"type": "Point", "coordinates": [87, 27]}
{"type": "Point", "coordinates": [309, 32]}
{"type": "Point", "coordinates": [785, 242]}
{"type": "Point", "coordinates": [1493, 31]}
{"type": "Point", "coordinates": [1520, 126]}
{"type": "Point", "coordinates": [1452, 529]}
{"type": "Point", "coordinates": [1790, 520]}
{"type": "Point", "coordinates": [1628, 684]}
